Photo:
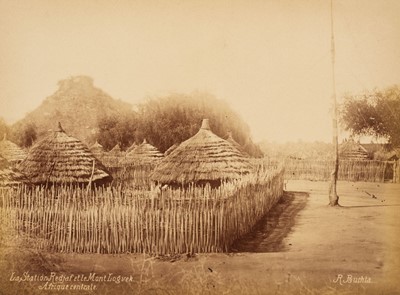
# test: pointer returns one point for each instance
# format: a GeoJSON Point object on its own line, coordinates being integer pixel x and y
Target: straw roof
{"type": "Point", "coordinates": [97, 150]}
{"type": "Point", "coordinates": [171, 149]}
{"type": "Point", "coordinates": [132, 147]}
{"type": "Point", "coordinates": [232, 141]}
{"type": "Point", "coordinates": [203, 158]}
{"type": "Point", "coordinates": [10, 151]}
{"type": "Point", "coordinates": [353, 150]}
{"type": "Point", "coordinates": [116, 150]}
{"type": "Point", "coordinates": [59, 158]}
{"type": "Point", "coordinates": [9, 176]}
{"type": "Point", "coordinates": [144, 152]}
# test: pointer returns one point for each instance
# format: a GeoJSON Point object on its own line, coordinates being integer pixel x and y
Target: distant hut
{"type": "Point", "coordinates": [97, 150]}
{"type": "Point", "coordinates": [116, 150]}
{"type": "Point", "coordinates": [131, 148]}
{"type": "Point", "coordinates": [171, 149]}
{"type": "Point", "coordinates": [203, 159]}
{"type": "Point", "coordinates": [143, 153]}
{"type": "Point", "coordinates": [231, 140]}
{"type": "Point", "coordinates": [352, 150]}
{"type": "Point", "coordinates": [8, 175]}
{"type": "Point", "coordinates": [62, 159]}
{"type": "Point", "coordinates": [11, 152]}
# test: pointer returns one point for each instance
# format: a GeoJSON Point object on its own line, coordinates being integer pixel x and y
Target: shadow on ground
{"type": "Point", "coordinates": [269, 232]}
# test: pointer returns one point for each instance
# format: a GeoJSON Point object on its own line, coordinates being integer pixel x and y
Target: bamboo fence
{"type": "Point", "coordinates": [349, 170]}
{"type": "Point", "coordinates": [121, 220]}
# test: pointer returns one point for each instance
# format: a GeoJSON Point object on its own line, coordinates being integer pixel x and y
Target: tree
{"type": "Point", "coordinates": [165, 121]}
{"type": "Point", "coordinates": [4, 128]}
{"type": "Point", "coordinates": [375, 113]}
{"type": "Point", "coordinates": [24, 135]}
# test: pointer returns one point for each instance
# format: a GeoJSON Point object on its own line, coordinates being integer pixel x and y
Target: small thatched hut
{"type": "Point", "coordinates": [203, 158]}
{"type": "Point", "coordinates": [352, 150]}
{"type": "Point", "coordinates": [131, 148]}
{"type": "Point", "coordinates": [8, 175]}
{"type": "Point", "coordinates": [11, 152]}
{"type": "Point", "coordinates": [97, 150]}
{"type": "Point", "coordinates": [143, 153]}
{"type": "Point", "coordinates": [116, 150]}
{"type": "Point", "coordinates": [62, 159]}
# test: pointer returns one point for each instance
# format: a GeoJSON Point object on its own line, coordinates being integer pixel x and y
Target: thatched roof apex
{"type": "Point", "coordinates": [10, 151]}
{"type": "Point", "coordinates": [132, 147]}
{"type": "Point", "coordinates": [232, 141]}
{"type": "Point", "coordinates": [59, 158]}
{"type": "Point", "coordinates": [116, 149]}
{"type": "Point", "coordinates": [353, 150]}
{"type": "Point", "coordinates": [96, 147]}
{"type": "Point", "coordinates": [145, 152]}
{"type": "Point", "coordinates": [203, 157]}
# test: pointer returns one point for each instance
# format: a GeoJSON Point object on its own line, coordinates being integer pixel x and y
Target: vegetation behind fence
{"type": "Point", "coordinates": [121, 220]}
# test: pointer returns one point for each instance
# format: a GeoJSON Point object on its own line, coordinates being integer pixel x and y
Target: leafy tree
{"type": "Point", "coordinates": [24, 135]}
{"type": "Point", "coordinates": [375, 113]}
{"type": "Point", "coordinates": [165, 121]}
{"type": "Point", "coordinates": [117, 129]}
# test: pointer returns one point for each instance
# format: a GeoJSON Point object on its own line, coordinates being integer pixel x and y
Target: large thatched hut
{"type": "Point", "coordinates": [143, 153]}
{"type": "Point", "coordinates": [352, 150]}
{"type": "Point", "coordinates": [203, 158]}
{"type": "Point", "coordinates": [11, 152]}
{"type": "Point", "coordinates": [62, 159]}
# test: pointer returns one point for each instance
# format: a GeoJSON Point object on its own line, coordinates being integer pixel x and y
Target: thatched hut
{"type": "Point", "coordinates": [8, 175]}
{"type": "Point", "coordinates": [62, 159]}
{"type": "Point", "coordinates": [132, 147]}
{"type": "Point", "coordinates": [143, 153]}
{"type": "Point", "coordinates": [116, 150]}
{"type": "Point", "coordinates": [352, 150]}
{"type": "Point", "coordinates": [203, 159]}
{"type": "Point", "coordinates": [11, 152]}
{"type": "Point", "coordinates": [97, 150]}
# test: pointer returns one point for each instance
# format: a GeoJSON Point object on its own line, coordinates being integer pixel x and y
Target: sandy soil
{"type": "Point", "coordinates": [313, 247]}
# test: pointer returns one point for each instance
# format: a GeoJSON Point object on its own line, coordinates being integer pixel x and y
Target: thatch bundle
{"type": "Point", "coordinates": [60, 158]}
{"type": "Point", "coordinates": [143, 153]}
{"type": "Point", "coordinates": [11, 152]}
{"type": "Point", "coordinates": [352, 150]}
{"type": "Point", "coordinates": [8, 175]}
{"type": "Point", "coordinates": [203, 158]}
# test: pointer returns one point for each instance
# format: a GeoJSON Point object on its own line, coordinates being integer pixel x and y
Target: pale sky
{"type": "Point", "coordinates": [269, 59]}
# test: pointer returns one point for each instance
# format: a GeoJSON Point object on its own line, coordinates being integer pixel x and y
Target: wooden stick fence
{"type": "Point", "coordinates": [360, 170]}
{"type": "Point", "coordinates": [120, 220]}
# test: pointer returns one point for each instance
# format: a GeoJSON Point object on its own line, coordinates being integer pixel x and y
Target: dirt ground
{"type": "Point", "coordinates": [303, 247]}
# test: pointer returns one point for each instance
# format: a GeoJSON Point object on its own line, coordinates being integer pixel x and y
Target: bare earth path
{"type": "Point", "coordinates": [353, 249]}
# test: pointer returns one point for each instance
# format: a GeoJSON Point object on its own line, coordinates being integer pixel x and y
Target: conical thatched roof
{"type": "Point", "coordinates": [116, 150]}
{"type": "Point", "coordinates": [205, 157]}
{"type": "Point", "coordinates": [231, 140]}
{"type": "Point", "coordinates": [352, 150]}
{"type": "Point", "coordinates": [97, 150]}
{"type": "Point", "coordinates": [10, 151]}
{"type": "Point", "coordinates": [60, 158]}
{"type": "Point", "coordinates": [144, 153]}
{"type": "Point", "coordinates": [171, 149]}
{"type": "Point", "coordinates": [131, 148]}
{"type": "Point", "coordinates": [9, 176]}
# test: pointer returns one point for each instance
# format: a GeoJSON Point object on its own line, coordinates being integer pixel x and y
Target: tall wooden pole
{"type": "Point", "coordinates": [333, 197]}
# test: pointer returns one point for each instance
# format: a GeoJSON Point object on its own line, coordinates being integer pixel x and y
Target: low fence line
{"type": "Point", "coordinates": [349, 170]}
{"type": "Point", "coordinates": [120, 220]}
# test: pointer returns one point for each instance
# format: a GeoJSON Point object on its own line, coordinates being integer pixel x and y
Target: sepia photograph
{"type": "Point", "coordinates": [200, 147]}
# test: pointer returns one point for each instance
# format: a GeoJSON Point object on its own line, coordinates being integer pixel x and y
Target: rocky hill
{"type": "Point", "coordinates": [78, 105]}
